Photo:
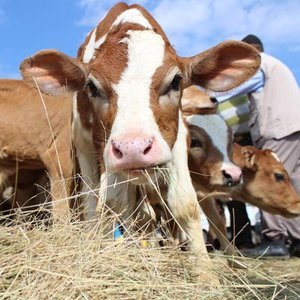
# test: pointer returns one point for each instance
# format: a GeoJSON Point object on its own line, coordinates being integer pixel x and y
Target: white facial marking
{"type": "Point", "coordinates": [275, 156]}
{"type": "Point", "coordinates": [145, 54]}
{"type": "Point", "coordinates": [133, 89]}
{"type": "Point", "coordinates": [216, 129]}
{"type": "Point", "coordinates": [90, 48]}
{"type": "Point", "coordinates": [130, 16]}
{"type": "Point", "coordinates": [92, 45]}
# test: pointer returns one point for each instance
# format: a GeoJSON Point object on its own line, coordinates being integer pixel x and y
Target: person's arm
{"type": "Point", "coordinates": [254, 84]}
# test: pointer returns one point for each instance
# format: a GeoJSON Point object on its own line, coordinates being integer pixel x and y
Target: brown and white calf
{"type": "Point", "coordinates": [35, 137]}
{"type": "Point", "coordinates": [211, 167]}
{"type": "Point", "coordinates": [210, 154]}
{"type": "Point", "coordinates": [127, 91]}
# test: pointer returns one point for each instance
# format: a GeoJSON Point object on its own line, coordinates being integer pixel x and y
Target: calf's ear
{"type": "Point", "coordinates": [249, 155]}
{"type": "Point", "coordinates": [53, 72]}
{"type": "Point", "coordinates": [244, 157]}
{"type": "Point", "coordinates": [221, 68]}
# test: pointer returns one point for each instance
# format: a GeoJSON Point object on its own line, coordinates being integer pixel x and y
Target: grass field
{"type": "Point", "coordinates": [80, 261]}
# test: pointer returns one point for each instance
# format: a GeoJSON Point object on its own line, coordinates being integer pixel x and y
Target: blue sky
{"type": "Point", "coordinates": [27, 26]}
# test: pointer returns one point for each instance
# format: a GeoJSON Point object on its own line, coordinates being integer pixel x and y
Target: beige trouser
{"type": "Point", "coordinates": [288, 150]}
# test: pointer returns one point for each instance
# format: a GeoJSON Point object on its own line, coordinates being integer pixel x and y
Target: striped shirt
{"type": "Point", "coordinates": [235, 112]}
{"type": "Point", "coordinates": [234, 104]}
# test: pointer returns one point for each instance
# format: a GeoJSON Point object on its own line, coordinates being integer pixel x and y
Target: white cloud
{"type": "Point", "coordinates": [194, 25]}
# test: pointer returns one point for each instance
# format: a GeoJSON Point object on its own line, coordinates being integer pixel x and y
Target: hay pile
{"type": "Point", "coordinates": [82, 261]}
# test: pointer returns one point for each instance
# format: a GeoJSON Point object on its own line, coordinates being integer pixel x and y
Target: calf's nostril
{"type": "Point", "coordinates": [148, 146]}
{"type": "Point", "coordinates": [226, 175]}
{"type": "Point", "coordinates": [228, 179]}
{"type": "Point", "coordinates": [116, 151]}
{"type": "Point", "coordinates": [147, 149]}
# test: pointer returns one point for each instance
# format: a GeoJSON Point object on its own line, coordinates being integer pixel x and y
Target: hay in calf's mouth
{"type": "Point", "coordinates": [82, 261]}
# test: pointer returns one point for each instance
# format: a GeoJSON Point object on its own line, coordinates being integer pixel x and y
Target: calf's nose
{"type": "Point", "coordinates": [134, 151]}
{"type": "Point", "coordinates": [232, 175]}
{"type": "Point", "coordinates": [123, 149]}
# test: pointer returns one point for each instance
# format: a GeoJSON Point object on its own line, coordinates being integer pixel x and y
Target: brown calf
{"type": "Point", "coordinates": [196, 102]}
{"type": "Point", "coordinates": [267, 184]}
{"type": "Point", "coordinates": [35, 135]}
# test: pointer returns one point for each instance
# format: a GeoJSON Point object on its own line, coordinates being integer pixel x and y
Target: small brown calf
{"type": "Point", "coordinates": [35, 135]}
{"type": "Point", "coordinates": [267, 184]}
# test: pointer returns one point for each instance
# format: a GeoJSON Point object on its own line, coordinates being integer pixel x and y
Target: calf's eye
{"type": "Point", "coordinates": [94, 91]}
{"type": "Point", "coordinates": [279, 176]}
{"type": "Point", "coordinates": [196, 143]}
{"type": "Point", "coordinates": [175, 84]}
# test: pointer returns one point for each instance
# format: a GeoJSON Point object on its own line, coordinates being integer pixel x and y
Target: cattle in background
{"type": "Point", "coordinates": [35, 136]}
{"type": "Point", "coordinates": [26, 197]}
{"type": "Point", "coordinates": [210, 153]}
{"type": "Point", "coordinates": [127, 108]}
{"type": "Point", "coordinates": [267, 184]}
{"type": "Point", "coordinates": [211, 167]}
{"type": "Point", "coordinates": [194, 101]}
{"type": "Point", "coordinates": [260, 169]}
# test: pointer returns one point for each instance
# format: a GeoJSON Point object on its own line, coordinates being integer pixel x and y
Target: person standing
{"type": "Point", "coordinates": [274, 123]}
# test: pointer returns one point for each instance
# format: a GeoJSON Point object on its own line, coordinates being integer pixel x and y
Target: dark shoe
{"type": "Point", "coordinates": [268, 249]}
{"type": "Point", "coordinates": [296, 248]}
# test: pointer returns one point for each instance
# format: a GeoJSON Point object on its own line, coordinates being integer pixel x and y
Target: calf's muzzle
{"type": "Point", "coordinates": [133, 152]}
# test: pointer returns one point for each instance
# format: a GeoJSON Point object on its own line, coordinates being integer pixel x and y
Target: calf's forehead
{"type": "Point", "coordinates": [134, 56]}
{"type": "Point", "coordinates": [215, 127]}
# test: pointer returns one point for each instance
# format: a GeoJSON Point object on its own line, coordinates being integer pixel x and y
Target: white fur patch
{"type": "Point", "coordinates": [130, 16]}
{"type": "Point", "coordinates": [275, 156]}
{"type": "Point", "coordinates": [90, 48]}
{"type": "Point", "coordinates": [216, 129]}
{"type": "Point", "coordinates": [145, 54]}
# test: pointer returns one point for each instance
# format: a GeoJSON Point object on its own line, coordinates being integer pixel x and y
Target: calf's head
{"type": "Point", "coordinates": [266, 181]}
{"type": "Point", "coordinates": [210, 151]}
{"type": "Point", "coordinates": [196, 102]}
{"type": "Point", "coordinates": [134, 85]}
